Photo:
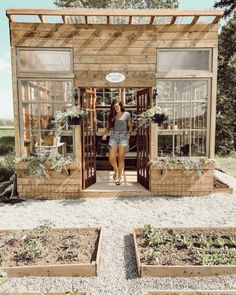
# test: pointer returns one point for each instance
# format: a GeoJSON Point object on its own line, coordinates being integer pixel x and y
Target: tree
{"type": "Point", "coordinates": [118, 3]}
{"type": "Point", "coordinates": [229, 5]}
{"type": "Point", "coordinates": [226, 97]}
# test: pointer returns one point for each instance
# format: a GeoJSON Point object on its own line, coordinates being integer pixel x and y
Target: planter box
{"type": "Point", "coordinates": [155, 270]}
{"type": "Point", "coordinates": [50, 293]}
{"type": "Point", "coordinates": [177, 182]}
{"type": "Point", "coordinates": [90, 254]}
{"type": "Point", "coordinates": [190, 292]}
{"type": "Point", "coordinates": [57, 186]}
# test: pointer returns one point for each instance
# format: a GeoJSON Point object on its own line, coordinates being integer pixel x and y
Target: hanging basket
{"type": "Point", "coordinates": [74, 120]}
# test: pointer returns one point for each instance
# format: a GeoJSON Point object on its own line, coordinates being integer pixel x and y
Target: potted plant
{"type": "Point", "coordinates": [72, 116]}
{"type": "Point", "coordinates": [155, 114]}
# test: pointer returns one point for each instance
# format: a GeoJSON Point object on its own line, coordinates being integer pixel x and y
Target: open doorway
{"type": "Point", "coordinates": [135, 175]}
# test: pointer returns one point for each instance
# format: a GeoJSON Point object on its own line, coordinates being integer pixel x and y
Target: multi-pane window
{"type": "Point", "coordinates": [40, 101]}
{"type": "Point", "coordinates": [174, 60]}
{"type": "Point", "coordinates": [184, 133]}
{"type": "Point", "coordinates": [44, 60]}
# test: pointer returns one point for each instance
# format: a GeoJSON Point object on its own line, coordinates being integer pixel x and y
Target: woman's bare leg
{"type": "Point", "coordinates": [112, 157]}
{"type": "Point", "coordinates": [121, 158]}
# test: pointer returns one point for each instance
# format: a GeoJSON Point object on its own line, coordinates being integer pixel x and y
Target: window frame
{"type": "Point", "coordinates": [19, 49]}
{"type": "Point", "coordinates": [21, 102]}
{"type": "Point", "coordinates": [191, 101]}
{"type": "Point", "coordinates": [209, 49]}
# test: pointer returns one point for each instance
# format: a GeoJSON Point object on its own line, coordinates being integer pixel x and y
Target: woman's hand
{"type": "Point", "coordinates": [104, 137]}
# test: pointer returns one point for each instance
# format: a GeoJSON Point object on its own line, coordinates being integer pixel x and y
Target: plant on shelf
{"type": "Point", "coordinates": [154, 114]}
{"type": "Point", "coordinates": [72, 116]}
{"type": "Point", "coordinates": [189, 165]}
{"type": "Point", "coordinates": [40, 166]}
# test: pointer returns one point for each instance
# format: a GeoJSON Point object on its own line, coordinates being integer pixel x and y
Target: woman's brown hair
{"type": "Point", "coordinates": [112, 115]}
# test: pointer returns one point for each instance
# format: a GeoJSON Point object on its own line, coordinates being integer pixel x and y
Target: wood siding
{"type": "Point", "coordinates": [100, 49]}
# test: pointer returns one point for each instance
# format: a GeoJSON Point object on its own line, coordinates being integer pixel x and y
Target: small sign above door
{"type": "Point", "coordinates": [115, 77]}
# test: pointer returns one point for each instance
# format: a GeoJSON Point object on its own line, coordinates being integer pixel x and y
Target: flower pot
{"type": "Point", "coordinates": [74, 120]}
{"type": "Point", "coordinates": [159, 118]}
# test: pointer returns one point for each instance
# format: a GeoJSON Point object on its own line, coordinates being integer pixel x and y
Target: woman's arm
{"type": "Point", "coordinates": [107, 130]}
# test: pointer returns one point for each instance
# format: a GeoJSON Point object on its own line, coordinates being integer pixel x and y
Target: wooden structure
{"type": "Point", "coordinates": [63, 50]}
{"type": "Point", "coordinates": [152, 270]}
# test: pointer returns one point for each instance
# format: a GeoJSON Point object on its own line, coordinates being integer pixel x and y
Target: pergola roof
{"type": "Point", "coordinates": [119, 16]}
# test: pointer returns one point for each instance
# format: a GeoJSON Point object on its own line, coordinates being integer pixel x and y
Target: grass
{"type": "Point", "coordinates": [7, 132]}
{"type": "Point", "coordinates": [227, 164]}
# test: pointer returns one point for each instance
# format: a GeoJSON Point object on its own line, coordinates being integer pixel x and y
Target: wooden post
{"type": "Point", "coordinates": [78, 150]}
{"type": "Point", "coordinates": [212, 130]}
{"type": "Point", "coordinates": [154, 140]}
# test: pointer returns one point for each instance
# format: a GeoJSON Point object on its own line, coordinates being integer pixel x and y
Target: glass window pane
{"type": "Point", "coordinates": [200, 90]}
{"type": "Point", "coordinates": [30, 115]}
{"type": "Point", "coordinates": [165, 143]}
{"type": "Point", "coordinates": [182, 115]}
{"type": "Point", "coordinates": [44, 60]}
{"type": "Point", "coordinates": [199, 116]}
{"type": "Point", "coordinates": [181, 143]}
{"type": "Point", "coordinates": [198, 143]}
{"type": "Point", "coordinates": [183, 60]}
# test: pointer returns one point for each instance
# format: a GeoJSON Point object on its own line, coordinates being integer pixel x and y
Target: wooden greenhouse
{"type": "Point", "coordinates": [63, 57]}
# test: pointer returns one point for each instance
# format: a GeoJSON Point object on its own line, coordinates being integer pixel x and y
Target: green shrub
{"type": "Point", "coordinates": [7, 167]}
{"type": "Point", "coordinates": [7, 144]}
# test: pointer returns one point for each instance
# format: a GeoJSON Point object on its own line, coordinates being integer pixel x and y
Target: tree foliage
{"type": "Point", "coordinates": [228, 5]}
{"type": "Point", "coordinates": [118, 3]}
{"type": "Point", "coordinates": [226, 98]}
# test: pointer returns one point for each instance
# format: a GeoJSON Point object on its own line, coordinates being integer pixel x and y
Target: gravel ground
{"type": "Point", "coordinates": [117, 217]}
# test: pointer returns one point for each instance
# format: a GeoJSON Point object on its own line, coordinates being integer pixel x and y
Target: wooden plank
{"type": "Point", "coordinates": [117, 28]}
{"type": "Point", "coordinates": [153, 142]}
{"type": "Point", "coordinates": [104, 84]}
{"type": "Point", "coordinates": [64, 18]}
{"type": "Point", "coordinates": [213, 92]}
{"type": "Point", "coordinates": [15, 104]}
{"type": "Point", "coordinates": [190, 74]}
{"type": "Point", "coordinates": [115, 12]}
{"type": "Point", "coordinates": [100, 75]}
{"type": "Point", "coordinates": [173, 20]}
{"type": "Point", "coordinates": [42, 18]}
{"type": "Point", "coordinates": [187, 270]}
{"type": "Point", "coordinates": [221, 187]}
{"type": "Point", "coordinates": [139, 264]}
{"type": "Point", "coordinates": [45, 75]}
{"type": "Point", "coordinates": [70, 270]}
{"type": "Point", "coordinates": [117, 59]}
{"type": "Point", "coordinates": [151, 20]}
{"type": "Point", "coordinates": [114, 51]}
{"type": "Point", "coordinates": [216, 19]}
{"type": "Point", "coordinates": [115, 67]}
{"type": "Point", "coordinates": [195, 19]}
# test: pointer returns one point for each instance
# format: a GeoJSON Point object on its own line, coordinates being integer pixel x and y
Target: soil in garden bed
{"type": "Point", "coordinates": [186, 247]}
{"type": "Point", "coordinates": [57, 246]}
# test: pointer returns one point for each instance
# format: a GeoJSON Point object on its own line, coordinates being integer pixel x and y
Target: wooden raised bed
{"type": "Point", "coordinates": [54, 263]}
{"type": "Point", "coordinates": [187, 270]}
{"type": "Point", "coordinates": [177, 182]}
{"type": "Point", "coordinates": [221, 187]}
{"type": "Point", "coordinates": [190, 292]}
{"type": "Point", "coordinates": [57, 186]}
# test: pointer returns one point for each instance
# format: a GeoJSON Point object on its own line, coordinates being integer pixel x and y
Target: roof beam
{"type": "Point", "coordinates": [86, 19]}
{"type": "Point", "coordinates": [64, 18]}
{"type": "Point", "coordinates": [108, 19]}
{"type": "Point", "coordinates": [151, 20]}
{"type": "Point", "coordinates": [216, 19]}
{"type": "Point", "coordinates": [114, 12]}
{"type": "Point", "coordinates": [195, 19]}
{"type": "Point", "coordinates": [173, 20]}
{"type": "Point", "coordinates": [42, 18]}
{"type": "Point", "coordinates": [130, 20]}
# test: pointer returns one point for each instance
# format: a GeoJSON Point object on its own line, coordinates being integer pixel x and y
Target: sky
{"type": "Point", "coordinates": [6, 105]}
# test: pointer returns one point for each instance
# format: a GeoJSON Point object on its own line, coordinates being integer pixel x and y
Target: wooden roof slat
{"type": "Point", "coordinates": [108, 19]}
{"type": "Point", "coordinates": [42, 18]}
{"type": "Point", "coordinates": [173, 20]}
{"type": "Point", "coordinates": [151, 20]}
{"type": "Point", "coordinates": [86, 19]}
{"type": "Point", "coordinates": [130, 20]}
{"type": "Point", "coordinates": [114, 12]}
{"type": "Point", "coordinates": [195, 19]}
{"type": "Point", "coordinates": [216, 19]}
{"type": "Point", "coordinates": [64, 19]}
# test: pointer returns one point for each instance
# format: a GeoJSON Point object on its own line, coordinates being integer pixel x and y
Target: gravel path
{"type": "Point", "coordinates": [117, 217]}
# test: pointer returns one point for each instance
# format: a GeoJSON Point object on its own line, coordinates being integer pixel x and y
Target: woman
{"type": "Point", "coordinates": [120, 128]}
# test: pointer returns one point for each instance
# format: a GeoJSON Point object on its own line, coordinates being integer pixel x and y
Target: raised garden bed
{"type": "Point", "coordinates": [45, 251]}
{"type": "Point", "coordinates": [190, 292]}
{"type": "Point", "coordinates": [185, 251]}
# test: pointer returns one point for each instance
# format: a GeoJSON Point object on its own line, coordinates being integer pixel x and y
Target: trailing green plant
{"type": "Point", "coordinates": [145, 118]}
{"type": "Point", "coordinates": [40, 167]}
{"type": "Point", "coordinates": [62, 118]}
{"type": "Point", "coordinates": [188, 165]}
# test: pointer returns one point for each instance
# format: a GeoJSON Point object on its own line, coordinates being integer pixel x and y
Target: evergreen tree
{"type": "Point", "coordinates": [226, 98]}
{"type": "Point", "coordinates": [118, 3]}
{"type": "Point", "coordinates": [228, 5]}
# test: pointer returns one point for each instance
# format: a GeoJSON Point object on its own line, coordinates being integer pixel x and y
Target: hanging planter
{"type": "Point", "coordinates": [74, 120]}
{"type": "Point", "coordinates": [159, 118]}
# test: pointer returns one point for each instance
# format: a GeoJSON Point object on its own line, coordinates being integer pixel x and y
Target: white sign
{"type": "Point", "coordinates": [115, 77]}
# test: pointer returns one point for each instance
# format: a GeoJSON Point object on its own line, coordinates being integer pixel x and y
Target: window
{"type": "Point", "coordinates": [44, 60]}
{"type": "Point", "coordinates": [40, 101]}
{"type": "Point", "coordinates": [185, 131]}
{"type": "Point", "coordinates": [169, 60]}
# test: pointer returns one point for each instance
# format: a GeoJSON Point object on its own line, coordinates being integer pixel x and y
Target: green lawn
{"type": "Point", "coordinates": [7, 132]}
{"type": "Point", "coordinates": [227, 164]}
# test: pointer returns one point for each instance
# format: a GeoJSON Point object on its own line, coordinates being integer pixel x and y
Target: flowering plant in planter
{"type": "Point", "coordinates": [154, 114]}
{"type": "Point", "coordinates": [72, 116]}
